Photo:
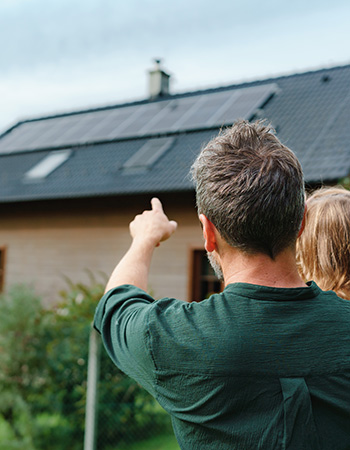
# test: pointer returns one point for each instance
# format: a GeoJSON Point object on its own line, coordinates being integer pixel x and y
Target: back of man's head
{"type": "Point", "coordinates": [251, 187]}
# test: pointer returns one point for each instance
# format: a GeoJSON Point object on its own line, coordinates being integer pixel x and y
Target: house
{"type": "Point", "coordinates": [70, 183]}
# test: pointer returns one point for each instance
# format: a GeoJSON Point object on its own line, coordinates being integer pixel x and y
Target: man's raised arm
{"type": "Point", "coordinates": [147, 231]}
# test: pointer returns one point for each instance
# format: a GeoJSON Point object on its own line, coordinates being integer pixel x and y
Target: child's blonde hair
{"type": "Point", "coordinates": [323, 249]}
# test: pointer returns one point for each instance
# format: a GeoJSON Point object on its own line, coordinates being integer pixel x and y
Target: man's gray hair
{"type": "Point", "coordinates": [251, 187]}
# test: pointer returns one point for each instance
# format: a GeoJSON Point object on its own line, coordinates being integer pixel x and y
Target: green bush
{"type": "Point", "coordinates": [21, 372]}
{"type": "Point", "coordinates": [43, 376]}
{"type": "Point", "coordinates": [52, 430]}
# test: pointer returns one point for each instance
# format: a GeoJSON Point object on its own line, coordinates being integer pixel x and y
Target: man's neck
{"type": "Point", "coordinates": [260, 269]}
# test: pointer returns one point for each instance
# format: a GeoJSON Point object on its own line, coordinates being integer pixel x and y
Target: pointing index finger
{"type": "Point", "coordinates": [156, 204]}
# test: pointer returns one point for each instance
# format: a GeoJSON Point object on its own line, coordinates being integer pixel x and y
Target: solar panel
{"type": "Point", "coordinates": [112, 121]}
{"type": "Point", "coordinates": [147, 114]}
{"type": "Point", "coordinates": [101, 125]}
{"type": "Point", "coordinates": [190, 112]}
{"type": "Point", "coordinates": [226, 104]}
{"type": "Point", "coordinates": [169, 115]}
{"type": "Point", "coordinates": [21, 136]}
{"type": "Point", "coordinates": [44, 138]}
{"type": "Point", "coordinates": [194, 108]}
{"type": "Point", "coordinates": [53, 132]}
{"type": "Point", "coordinates": [76, 132]}
{"type": "Point", "coordinates": [209, 106]}
{"type": "Point", "coordinates": [246, 102]}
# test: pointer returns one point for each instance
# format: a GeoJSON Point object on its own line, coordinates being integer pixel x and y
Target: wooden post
{"type": "Point", "coordinates": [92, 391]}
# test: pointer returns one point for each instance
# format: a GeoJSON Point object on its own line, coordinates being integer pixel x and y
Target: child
{"type": "Point", "coordinates": [323, 249]}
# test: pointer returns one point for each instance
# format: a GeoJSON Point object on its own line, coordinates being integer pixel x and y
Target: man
{"type": "Point", "coordinates": [266, 363]}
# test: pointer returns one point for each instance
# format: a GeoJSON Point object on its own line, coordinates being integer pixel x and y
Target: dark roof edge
{"type": "Point", "coordinates": [72, 196]}
{"type": "Point", "coordinates": [309, 184]}
{"type": "Point", "coordinates": [177, 95]}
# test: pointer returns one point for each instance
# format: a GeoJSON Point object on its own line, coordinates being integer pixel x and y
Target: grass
{"type": "Point", "coordinates": [165, 442]}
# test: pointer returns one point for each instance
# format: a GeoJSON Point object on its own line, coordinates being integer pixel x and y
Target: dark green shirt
{"type": "Point", "coordinates": [251, 368]}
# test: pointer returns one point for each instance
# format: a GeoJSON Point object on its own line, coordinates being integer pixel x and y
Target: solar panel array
{"type": "Point", "coordinates": [176, 114]}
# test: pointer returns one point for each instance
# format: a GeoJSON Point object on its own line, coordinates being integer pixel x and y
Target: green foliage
{"type": "Point", "coordinates": [20, 362]}
{"type": "Point", "coordinates": [162, 442]}
{"type": "Point", "coordinates": [52, 430]}
{"type": "Point", "coordinates": [345, 182]}
{"type": "Point", "coordinates": [67, 352]}
{"type": "Point", "coordinates": [21, 333]}
{"type": "Point", "coordinates": [43, 376]}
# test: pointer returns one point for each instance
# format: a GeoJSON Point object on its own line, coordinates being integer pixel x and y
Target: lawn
{"type": "Point", "coordinates": [166, 442]}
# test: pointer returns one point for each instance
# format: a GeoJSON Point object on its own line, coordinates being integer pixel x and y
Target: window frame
{"type": "Point", "coordinates": [3, 251]}
{"type": "Point", "coordinates": [196, 277]}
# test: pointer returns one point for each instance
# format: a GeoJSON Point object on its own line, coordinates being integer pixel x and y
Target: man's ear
{"type": "Point", "coordinates": [208, 233]}
{"type": "Point", "coordinates": [302, 226]}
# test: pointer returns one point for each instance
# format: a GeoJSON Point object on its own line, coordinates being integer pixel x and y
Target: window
{"type": "Point", "coordinates": [2, 267]}
{"type": "Point", "coordinates": [47, 165]}
{"type": "Point", "coordinates": [148, 154]}
{"type": "Point", "coordinates": [204, 282]}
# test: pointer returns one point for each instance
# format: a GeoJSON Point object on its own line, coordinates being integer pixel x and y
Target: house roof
{"type": "Point", "coordinates": [149, 146]}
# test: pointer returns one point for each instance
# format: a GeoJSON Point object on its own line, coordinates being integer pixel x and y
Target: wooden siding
{"type": "Point", "coordinates": [46, 244]}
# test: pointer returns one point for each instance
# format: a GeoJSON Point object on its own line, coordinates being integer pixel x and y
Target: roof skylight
{"type": "Point", "coordinates": [47, 165]}
{"type": "Point", "coordinates": [148, 154]}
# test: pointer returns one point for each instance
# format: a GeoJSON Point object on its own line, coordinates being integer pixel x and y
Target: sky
{"type": "Point", "coordinates": [65, 55]}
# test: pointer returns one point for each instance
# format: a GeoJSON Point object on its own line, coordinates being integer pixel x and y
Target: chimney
{"type": "Point", "coordinates": [158, 81]}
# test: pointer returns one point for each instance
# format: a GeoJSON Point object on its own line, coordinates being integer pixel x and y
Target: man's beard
{"type": "Point", "coordinates": [215, 265]}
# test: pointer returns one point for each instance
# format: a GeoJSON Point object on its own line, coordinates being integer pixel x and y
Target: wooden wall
{"type": "Point", "coordinates": [48, 241]}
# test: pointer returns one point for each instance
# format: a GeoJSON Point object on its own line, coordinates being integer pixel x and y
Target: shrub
{"type": "Point", "coordinates": [43, 376]}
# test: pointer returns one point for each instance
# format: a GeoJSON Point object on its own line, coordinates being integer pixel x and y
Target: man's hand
{"type": "Point", "coordinates": [147, 230]}
{"type": "Point", "coordinates": [152, 226]}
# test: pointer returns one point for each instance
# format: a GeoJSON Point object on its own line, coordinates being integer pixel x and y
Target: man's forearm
{"type": "Point", "coordinates": [147, 230]}
{"type": "Point", "coordinates": [133, 267]}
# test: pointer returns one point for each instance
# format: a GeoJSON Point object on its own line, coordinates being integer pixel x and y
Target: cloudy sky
{"type": "Point", "coordinates": [61, 55]}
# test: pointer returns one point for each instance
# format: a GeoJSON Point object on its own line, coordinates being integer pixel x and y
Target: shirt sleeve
{"type": "Point", "coordinates": [121, 318]}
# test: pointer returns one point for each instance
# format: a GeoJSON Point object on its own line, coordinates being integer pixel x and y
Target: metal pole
{"type": "Point", "coordinates": [92, 395]}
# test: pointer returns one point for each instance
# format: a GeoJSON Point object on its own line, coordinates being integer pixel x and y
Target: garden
{"type": "Point", "coordinates": [43, 379]}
